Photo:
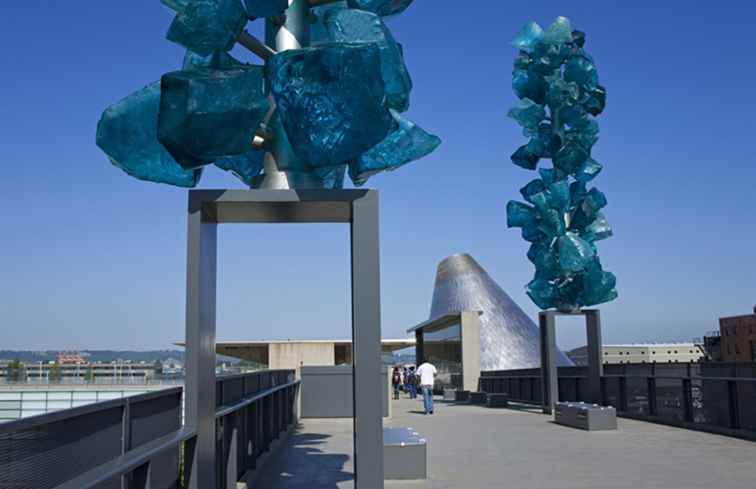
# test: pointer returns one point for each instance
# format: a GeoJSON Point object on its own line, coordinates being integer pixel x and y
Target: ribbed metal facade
{"type": "Point", "coordinates": [508, 337]}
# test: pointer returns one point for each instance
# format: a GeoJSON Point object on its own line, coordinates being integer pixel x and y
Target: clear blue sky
{"type": "Point", "coordinates": [91, 258]}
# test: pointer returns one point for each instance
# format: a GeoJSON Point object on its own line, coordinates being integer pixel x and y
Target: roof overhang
{"type": "Point", "coordinates": [440, 322]}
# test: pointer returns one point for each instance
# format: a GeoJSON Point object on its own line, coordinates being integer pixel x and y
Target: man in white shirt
{"type": "Point", "coordinates": [427, 373]}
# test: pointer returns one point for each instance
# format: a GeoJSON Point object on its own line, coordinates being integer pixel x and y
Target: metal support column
{"type": "Point", "coordinates": [595, 361]}
{"type": "Point", "coordinates": [202, 236]}
{"type": "Point", "coordinates": [549, 380]}
{"type": "Point", "coordinates": [366, 339]}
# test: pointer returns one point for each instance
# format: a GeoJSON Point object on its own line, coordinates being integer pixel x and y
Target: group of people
{"type": "Point", "coordinates": [410, 378]}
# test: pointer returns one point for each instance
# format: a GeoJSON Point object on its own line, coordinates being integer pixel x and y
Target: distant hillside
{"type": "Point", "coordinates": [27, 356]}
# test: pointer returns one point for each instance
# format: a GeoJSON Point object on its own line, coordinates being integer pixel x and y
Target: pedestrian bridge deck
{"type": "Point", "coordinates": [474, 447]}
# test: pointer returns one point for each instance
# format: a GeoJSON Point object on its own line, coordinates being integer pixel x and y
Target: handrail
{"type": "Point", "coordinates": [222, 377]}
{"type": "Point", "coordinates": [635, 376]}
{"type": "Point", "coordinates": [222, 411]}
{"type": "Point", "coordinates": [65, 414]}
{"type": "Point", "coordinates": [129, 461]}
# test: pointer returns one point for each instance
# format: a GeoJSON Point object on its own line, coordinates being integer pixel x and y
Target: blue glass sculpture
{"type": "Point", "coordinates": [331, 100]}
{"type": "Point", "coordinates": [310, 113]}
{"type": "Point", "coordinates": [205, 26]}
{"type": "Point", "coordinates": [558, 87]}
{"type": "Point", "coordinates": [127, 133]}
{"type": "Point", "coordinates": [358, 26]}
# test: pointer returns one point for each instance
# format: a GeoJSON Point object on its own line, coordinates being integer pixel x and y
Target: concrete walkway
{"type": "Point", "coordinates": [474, 447]}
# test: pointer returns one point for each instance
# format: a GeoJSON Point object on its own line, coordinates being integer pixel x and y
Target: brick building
{"type": "Point", "coordinates": [738, 335]}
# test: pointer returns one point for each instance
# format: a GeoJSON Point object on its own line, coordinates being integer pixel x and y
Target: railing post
{"type": "Point", "coordinates": [687, 387]}
{"type": "Point", "coordinates": [125, 435]}
{"type": "Point", "coordinates": [732, 398]}
{"type": "Point", "coordinates": [651, 387]}
{"type": "Point", "coordinates": [140, 478]}
{"type": "Point", "coordinates": [231, 448]}
{"type": "Point", "coordinates": [622, 385]}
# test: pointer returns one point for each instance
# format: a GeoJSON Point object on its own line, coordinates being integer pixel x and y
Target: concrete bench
{"type": "Point", "coordinates": [478, 398]}
{"type": "Point", "coordinates": [498, 400]}
{"type": "Point", "coordinates": [405, 454]}
{"type": "Point", "coordinates": [591, 417]}
{"type": "Point", "coordinates": [456, 396]}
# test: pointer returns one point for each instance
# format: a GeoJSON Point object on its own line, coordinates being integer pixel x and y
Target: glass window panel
{"type": "Point", "coordinates": [443, 348]}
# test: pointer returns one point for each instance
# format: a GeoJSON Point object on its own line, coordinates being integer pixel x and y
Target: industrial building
{"type": "Point", "coordinates": [292, 354]}
{"type": "Point", "coordinates": [738, 338]}
{"type": "Point", "coordinates": [643, 353]}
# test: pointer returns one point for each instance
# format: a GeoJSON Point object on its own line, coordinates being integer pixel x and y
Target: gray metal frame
{"type": "Point", "coordinates": [359, 208]}
{"type": "Point", "coordinates": [547, 331]}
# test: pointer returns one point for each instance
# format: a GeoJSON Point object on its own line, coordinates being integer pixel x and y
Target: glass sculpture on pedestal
{"type": "Point", "coordinates": [557, 84]}
{"type": "Point", "coordinates": [328, 99]}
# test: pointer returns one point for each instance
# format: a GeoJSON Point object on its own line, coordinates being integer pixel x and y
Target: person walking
{"type": "Point", "coordinates": [396, 381]}
{"type": "Point", "coordinates": [427, 373]}
{"type": "Point", "coordinates": [412, 383]}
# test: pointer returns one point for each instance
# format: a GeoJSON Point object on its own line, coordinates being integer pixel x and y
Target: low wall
{"type": "Point", "coordinates": [326, 392]}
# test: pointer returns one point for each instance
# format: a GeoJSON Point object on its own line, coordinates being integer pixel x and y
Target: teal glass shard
{"type": "Point", "coordinates": [265, 8]}
{"type": "Point", "coordinates": [548, 175]}
{"type": "Point", "coordinates": [520, 215]}
{"type": "Point", "coordinates": [246, 167]}
{"type": "Point", "coordinates": [574, 252]}
{"type": "Point", "coordinates": [406, 142]}
{"type": "Point", "coordinates": [598, 287]}
{"type": "Point", "coordinates": [562, 94]}
{"type": "Point", "coordinates": [529, 35]}
{"type": "Point", "coordinates": [357, 26]}
{"type": "Point", "coordinates": [546, 59]}
{"type": "Point", "coordinates": [127, 133]}
{"type": "Point", "coordinates": [527, 156]}
{"type": "Point", "coordinates": [588, 170]}
{"type": "Point", "coordinates": [204, 26]}
{"type": "Point", "coordinates": [578, 38]}
{"type": "Point", "coordinates": [175, 5]}
{"type": "Point", "coordinates": [534, 187]}
{"type": "Point", "coordinates": [596, 101]}
{"type": "Point", "coordinates": [545, 259]}
{"type": "Point", "coordinates": [551, 223]}
{"type": "Point", "coordinates": [331, 176]}
{"type": "Point", "coordinates": [542, 292]}
{"type": "Point", "coordinates": [218, 60]}
{"type": "Point", "coordinates": [598, 229]}
{"type": "Point", "coordinates": [381, 7]}
{"type": "Point", "coordinates": [558, 32]}
{"type": "Point", "coordinates": [331, 99]}
{"type": "Point", "coordinates": [529, 115]}
{"type": "Point", "coordinates": [206, 114]}
{"type": "Point", "coordinates": [570, 157]}
{"type": "Point", "coordinates": [528, 84]}
{"type": "Point", "coordinates": [580, 70]}
{"type": "Point", "coordinates": [318, 32]}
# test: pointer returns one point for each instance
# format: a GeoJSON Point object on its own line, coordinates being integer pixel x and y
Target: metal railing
{"type": "Point", "coordinates": [139, 442]}
{"type": "Point", "coordinates": [715, 397]}
{"type": "Point", "coordinates": [252, 411]}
